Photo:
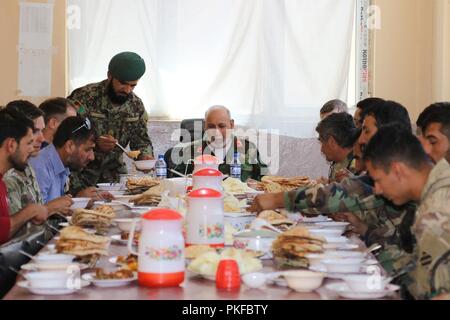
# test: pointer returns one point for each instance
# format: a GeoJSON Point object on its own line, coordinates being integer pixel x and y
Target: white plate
{"type": "Point", "coordinates": [37, 267]}
{"type": "Point", "coordinates": [334, 275]}
{"type": "Point", "coordinates": [50, 292]}
{"type": "Point", "coordinates": [108, 283]}
{"type": "Point", "coordinates": [315, 219]}
{"type": "Point", "coordinates": [344, 291]}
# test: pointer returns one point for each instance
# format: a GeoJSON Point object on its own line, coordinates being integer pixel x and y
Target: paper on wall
{"type": "Point", "coordinates": [35, 49]}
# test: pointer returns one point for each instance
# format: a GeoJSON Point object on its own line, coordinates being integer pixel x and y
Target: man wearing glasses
{"type": "Point", "coordinates": [72, 150]}
{"type": "Point", "coordinates": [118, 116]}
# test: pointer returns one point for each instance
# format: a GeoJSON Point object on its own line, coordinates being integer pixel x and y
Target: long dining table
{"type": "Point", "coordinates": [193, 288]}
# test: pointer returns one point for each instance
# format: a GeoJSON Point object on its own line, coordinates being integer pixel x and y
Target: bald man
{"type": "Point", "coordinates": [219, 140]}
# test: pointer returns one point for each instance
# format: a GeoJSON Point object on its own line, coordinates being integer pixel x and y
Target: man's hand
{"type": "Point", "coordinates": [357, 225]}
{"type": "Point", "coordinates": [106, 143]}
{"type": "Point", "coordinates": [61, 205]}
{"type": "Point", "coordinates": [95, 194]}
{"type": "Point", "coordinates": [269, 201]}
{"type": "Point", "coordinates": [40, 213]}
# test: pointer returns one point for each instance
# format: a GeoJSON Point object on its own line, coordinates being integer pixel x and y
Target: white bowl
{"type": "Point", "coordinates": [334, 233]}
{"type": "Point", "coordinates": [303, 280]}
{"type": "Point", "coordinates": [343, 265]}
{"type": "Point", "coordinates": [126, 224]}
{"type": "Point", "coordinates": [260, 240]}
{"type": "Point", "coordinates": [334, 225]}
{"type": "Point", "coordinates": [365, 283]}
{"type": "Point", "coordinates": [239, 221]}
{"type": "Point", "coordinates": [45, 258]}
{"type": "Point", "coordinates": [145, 164]}
{"type": "Point", "coordinates": [80, 203]}
{"type": "Point", "coordinates": [254, 280]}
{"type": "Point", "coordinates": [346, 254]}
{"type": "Point", "coordinates": [49, 279]}
{"type": "Point", "coordinates": [110, 187]}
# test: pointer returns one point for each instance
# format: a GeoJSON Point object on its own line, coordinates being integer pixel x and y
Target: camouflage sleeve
{"type": "Point", "coordinates": [432, 272]}
{"type": "Point", "coordinates": [328, 199]}
{"type": "Point", "coordinates": [14, 194]}
{"type": "Point", "coordinates": [140, 139]}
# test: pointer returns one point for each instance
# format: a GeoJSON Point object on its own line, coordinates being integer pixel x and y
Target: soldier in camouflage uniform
{"type": "Point", "coordinates": [337, 137]}
{"type": "Point", "coordinates": [218, 117]}
{"type": "Point", "coordinates": [403, 172]}
{"type": "Point", "coordinates": [23, 188]}
{"type": "Point", "coordinates": [118, 115]}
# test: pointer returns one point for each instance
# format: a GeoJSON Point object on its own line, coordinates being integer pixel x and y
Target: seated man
{"type": "Point", "coordinates": [23, 189]}
{"type": "Point", "coordinates": [72, 149]}
{"type": "Point", "coordinates": [333, 106]}
{"type": "Point", "coordinates": [364, 105]}
{"type": "Point", "coordinates": [220, 142]}
{"type": "Point", "coordinates": [337, 136]}
{"type": "Point", "coordinates": [55, 110]}
{"type": "Point", "coordinates": [16, 146]}
{"type": "Point", "coordinates": [434, 125]}
{"type": "Point", "coordinates": [403, 172]}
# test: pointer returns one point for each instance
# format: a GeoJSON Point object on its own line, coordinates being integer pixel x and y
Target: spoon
{"type": "Point", "coordinates": [124, 150]}
{"type": "Point", "coordinates": [178, 173]}
{"type": "Point", "coordinates": [259, 223]}
{"type": "Point", "coordinates": [373, 248]}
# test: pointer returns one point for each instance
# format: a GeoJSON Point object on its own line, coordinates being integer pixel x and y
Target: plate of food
{"type": "Point", "coordinates": [122, 238]}
{"type": "Point", "coordinates": [104, 279]}
{"type": "Point", "coordinates": [129, 262]}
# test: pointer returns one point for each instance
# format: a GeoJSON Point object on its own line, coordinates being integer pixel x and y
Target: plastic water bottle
{"type": "Point", "coordinates": [235, 167]}
{"type": "Point", "coordinates": [161, 168]}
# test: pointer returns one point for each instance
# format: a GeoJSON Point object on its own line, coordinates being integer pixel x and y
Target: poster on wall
{"type": "Point", "coordinates": [35, 49]}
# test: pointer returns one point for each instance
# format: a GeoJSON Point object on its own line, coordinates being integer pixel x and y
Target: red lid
{"type": "Point", "coordinates": [208, 172]}
{"type": "Point", "coordinates": [207, 158]}
{"type": "Point", "coordinates": [205, 193]}
{"type": "Point", "coordinates": [162, 214]}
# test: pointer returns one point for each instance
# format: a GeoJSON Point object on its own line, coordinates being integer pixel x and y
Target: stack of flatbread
{"type": "Point", "coordinates": [291, 247]}
{"type": "Point", "coordinates": [138, 185]}
{"type": "Point", "coordinates": [276, 219]}
{"type": "Point", "coordinates": [273, 184]}
{"type": "Point", "coordinates": [151, 197]}
{"type": "Point", "coordinates": [100, 218]}
{"type": "Point", "coordinates": [75, 241]}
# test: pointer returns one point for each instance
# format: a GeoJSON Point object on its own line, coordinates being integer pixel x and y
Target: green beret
{"type": "Point", "coordinates": [127, 66]}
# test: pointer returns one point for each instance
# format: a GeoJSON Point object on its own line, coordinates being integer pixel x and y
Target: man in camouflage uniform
{"type": "Point", "coordinates": [23, 188]}
{"type": "Point", "coordinates": [118, 115]}
{"type": "Point", "coordinates": [373, 217]}
{"type": "Point", "coordinates": [403, 172]}
{"type": "Point", "coordinates": [337, 137]}
{"type": "Point", "coordinates": [220, 142]}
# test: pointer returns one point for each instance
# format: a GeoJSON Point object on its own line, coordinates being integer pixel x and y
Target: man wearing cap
{"type": "Point", "coordinates": [117, 115]}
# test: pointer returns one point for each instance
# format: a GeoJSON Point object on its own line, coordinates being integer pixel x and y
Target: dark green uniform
{"type": "Point", "coordinates": [127, 123]}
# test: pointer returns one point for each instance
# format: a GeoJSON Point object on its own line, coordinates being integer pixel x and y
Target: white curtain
{"type": "Point", "coordinates": [273, 63]}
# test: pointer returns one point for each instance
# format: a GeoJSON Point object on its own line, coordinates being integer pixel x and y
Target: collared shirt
{"type": "Point", "coordinates": [221, 153]}
{"type": "Point", "coordinates": [5, 221]}
{"type": "Point", "coordinates": [51, 173]}
{"type": "Point", "coordinates": [44, 145]}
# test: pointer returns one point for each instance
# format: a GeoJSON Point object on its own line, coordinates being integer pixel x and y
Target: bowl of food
{"type": "Point", "coordinates": [333, 233]}
{"type": "Point", "coordinates": [303, 280]}
{"type": "Point", "coordinates": [80, 203]}
{"type": "Point", "coordinates": [110, 187]}
{"type": "Point", "coordinates": [49, 279]}
{"type": "Point", "coordinates": [145, 165]}
{"type": "Point", "coordinates": [240, 220]}
{"type": "Point", "coordinates": [343, 265]}
{"type": "Point", "coordinates": [46, 258]}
